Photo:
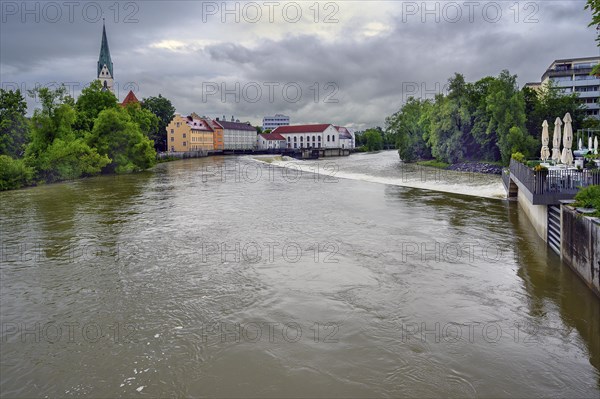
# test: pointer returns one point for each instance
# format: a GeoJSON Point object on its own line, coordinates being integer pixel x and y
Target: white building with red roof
{"type": "Point", "coordinates": [310, 136]}
{"type": "Point", "coordinates": [271, 141]}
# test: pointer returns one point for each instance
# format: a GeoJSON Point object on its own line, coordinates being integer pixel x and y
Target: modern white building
{"type": "Point", "coordinates": [273, 122]}
{"type": "Point", "coordinates": [237, 135]}
{"type": "Point", "coordinates": [271, 141]}
{"type": "Point", "coordinates": [574, 76]}
{"type": "Point", "coordinates": [310, 136]}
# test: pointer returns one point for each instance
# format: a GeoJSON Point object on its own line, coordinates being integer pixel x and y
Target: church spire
{"type": "Point", "coordinates": [105, 65]}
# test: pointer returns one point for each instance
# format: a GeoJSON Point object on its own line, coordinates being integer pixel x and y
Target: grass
{"type": "Point", "coordinates": [434, 163]}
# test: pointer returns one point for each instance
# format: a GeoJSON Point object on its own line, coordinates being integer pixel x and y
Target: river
{"type": "Point", "coordinates": [237, 277]}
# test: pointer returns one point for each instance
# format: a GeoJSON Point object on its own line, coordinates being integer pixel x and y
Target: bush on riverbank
{"type": "Point", "coordinates": [14, 173]}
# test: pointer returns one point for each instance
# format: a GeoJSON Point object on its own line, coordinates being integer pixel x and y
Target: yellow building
{"type": "Point", "coordinates": [189, 134]}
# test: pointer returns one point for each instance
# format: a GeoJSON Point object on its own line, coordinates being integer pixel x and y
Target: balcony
{"type": "Point", "coordinates": [549, 186]}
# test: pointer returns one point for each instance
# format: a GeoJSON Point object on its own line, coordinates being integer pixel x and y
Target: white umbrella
{"type": "Point", "coordinates": [545, 153]}
{"type": "Point", "coordinates": [556, 141]}
{"type": "Point", "coordinates": [590, 143]}
{"type": "Point", "coordinates": [567, 155]}
{"type": "Point", "coordinates": [580, 144]}
{"type": "Point", "coordinates": [596, 145]}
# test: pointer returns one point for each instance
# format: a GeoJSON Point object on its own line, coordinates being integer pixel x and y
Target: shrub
{"type": "Point", "coordinates": [589, 197]}
{"type": "Point", "coordinates": [517, 156]}
{"type": "Point", "coordinates": [14, 173]}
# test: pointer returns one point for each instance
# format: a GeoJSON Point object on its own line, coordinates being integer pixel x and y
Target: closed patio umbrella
{"type": "Point", "coordinates": [545, 153]}
{"type": "Point", "coordinates": [556, 141]}
{"type": "Point", "coordinates": [590, 144]}
{"type": "Point", "coordinates": [567, 155]}
{"type": "Point", "coordinates": [596, 145]}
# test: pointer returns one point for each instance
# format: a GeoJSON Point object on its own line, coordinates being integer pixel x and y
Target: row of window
{"type": "Point", "coordinates": [586, 88]}
{"type": "Point", "coordinates": [330, 138]}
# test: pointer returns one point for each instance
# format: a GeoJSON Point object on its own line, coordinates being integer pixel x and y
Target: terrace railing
{"type": "Point", "coordinates": [551, 186]}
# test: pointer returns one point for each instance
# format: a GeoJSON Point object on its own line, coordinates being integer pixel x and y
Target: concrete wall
{"type": "Point", "coordinates": [537, 214]}
{"type": "Point", "coordinates": [580, 247]}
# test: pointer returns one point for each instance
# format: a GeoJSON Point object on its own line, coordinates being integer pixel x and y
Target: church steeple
{"type": "Point", "coordinates": [105, 65]}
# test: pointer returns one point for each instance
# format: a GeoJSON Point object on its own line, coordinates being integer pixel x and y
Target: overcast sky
{"type": "Point", "coordinates": [355, 62]}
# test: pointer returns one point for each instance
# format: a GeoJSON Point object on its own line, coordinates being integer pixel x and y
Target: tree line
{"type": "Point", "coordinates": [487, 120]}
{"type": "Point", "coordinates": [68, 139]}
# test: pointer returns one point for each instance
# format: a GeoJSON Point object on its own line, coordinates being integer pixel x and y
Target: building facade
{"type": "Point", "coordinates": [105, 66]}
{"type": "Point", "coordinates": [347, 139]}
{"type": "Point", "coordinates": [237, 135]}
{"type": "Point", "coordinates": [310, 136]}
{"type": "Point", "coordinates": [217, 129]}
{"type": "Point", "coordinates": [188, 134]}
{"type": "Point", "coordinates": [574, 76]}
{"type": "Point", "coordinates": [273, 122]}
{"type": "Point", "coordinates": [271, 141]}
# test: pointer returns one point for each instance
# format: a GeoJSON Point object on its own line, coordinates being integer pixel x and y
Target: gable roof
{"type": "Point", "coordinates": [302, 129]}
{"type": "Point", "coordinates": [130, 98]}
{"type": "Point", "coordinates": [235, 126]}
{"type": "Point", "coordinates": [198, 124]}
{"type": "Point", "coordinates": [272, 136]}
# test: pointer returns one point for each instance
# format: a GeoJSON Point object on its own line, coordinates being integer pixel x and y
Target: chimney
{"type": "Point", "coordinates": [232, 118]}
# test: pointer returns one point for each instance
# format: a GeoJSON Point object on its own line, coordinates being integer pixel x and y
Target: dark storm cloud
{"type": "Point", "coordinates": [374, 59]}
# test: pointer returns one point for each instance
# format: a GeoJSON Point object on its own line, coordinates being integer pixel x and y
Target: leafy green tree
{"type": "Point", "coordinates": [118, 137]}
{"type": "Point", "coordinates": [54, 150]}
{"type": "Point", "coordinates": [164, 110]}
{"type": "Point", "coordinates": [146, 120]}
{"type": "Point", "coordinates": [14, 129]}
{"type": "Point", "coordinates": [14, 173]}
{"type": "Point", "coordinates": [90, 103]}
{"type": "Point", "coordinates": [409, 126]}
{"type": "Point", "coordinates": [506, 106]}
{"type": "Point", "coordinates": [547, 104]}
{"type": "Point", "coordinates": [594, 7]}
{"type": "Point", "coordinates": [451, 123]}
{"type": "Point", "coordinates": [373, 140]}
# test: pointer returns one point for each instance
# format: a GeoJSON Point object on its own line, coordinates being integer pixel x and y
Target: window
{"type": "Point", "coordinates": [295, 139]}
{"type": "Point", "coordinates": [172, 149]}
{"type": "Point", "coordinates": [184, 135]}
{"type": "Point", "coordinates": [172, 138]}
{"type": "Point", "coordinates": [172, 131]}
{"type": "Point", "coordinates": [301, 138]}
{"type": "Point", "coordinates": [177, 124]}
{"type": "Point", "coordinates": [328, 138]}
{"type": "Point", "coordinates": [313, 139]}
{"type": "Point", "coordinates": [184, 144]}
{"type": "Point", "coordinates": [333, 138]}
{"type": "Point", "coordinates": [319, 138]}
{"type": "Point", "coordinates": [295, 145]}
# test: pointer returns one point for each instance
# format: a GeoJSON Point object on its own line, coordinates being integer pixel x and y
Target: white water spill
{"type": "Point", "coordinates": [386, 168]}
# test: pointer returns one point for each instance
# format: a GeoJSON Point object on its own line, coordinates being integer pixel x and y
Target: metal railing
{"type": "Point", "coordinates": [564, 181]}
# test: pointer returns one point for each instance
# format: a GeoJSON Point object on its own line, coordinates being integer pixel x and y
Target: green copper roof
{"type": "Point", "coordinates": [105, 54]}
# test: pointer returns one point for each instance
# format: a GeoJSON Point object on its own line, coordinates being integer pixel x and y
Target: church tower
{"type": "Point", "coordinates": [105, 65]}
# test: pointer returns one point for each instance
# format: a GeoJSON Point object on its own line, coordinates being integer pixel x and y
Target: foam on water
{"type": "Point", "coordinates": [425, 178]}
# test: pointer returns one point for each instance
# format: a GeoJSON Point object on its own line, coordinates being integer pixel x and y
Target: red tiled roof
{"type": "Point", "coordinates": [130, 98]}
{"type": "Point", "coordinates": [272, 136]}
{"type": "Point", "coordinates": [302, 129]}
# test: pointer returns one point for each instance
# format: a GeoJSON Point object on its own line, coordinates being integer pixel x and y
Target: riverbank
{"type": "Point", "coordinates": [471, 166]}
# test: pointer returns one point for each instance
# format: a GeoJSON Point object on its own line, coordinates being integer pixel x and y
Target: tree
{"type": "Point", "coordinates": [409, 126]}
{"type": "Point", "coordinates": [594, 7]}
{"type": "Point", "coordinates": [92, 100]}
{"type": "Point", "coordinates": [14, 129]}
{"type": "Point", "coordinates": [374, 140]}
{"type": "Point", "coordinates": [118, 137]}
{"type": "Point", "coordinates": [450, 125]}
{"type": "Point", "coordinates": [55, 151]}
{"type": "Point", "coordinates": [146, 120]}
{"type": "Point", "coordinates": [164, 110]}
{"type": "Point", "coordinates": [506, 107]}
